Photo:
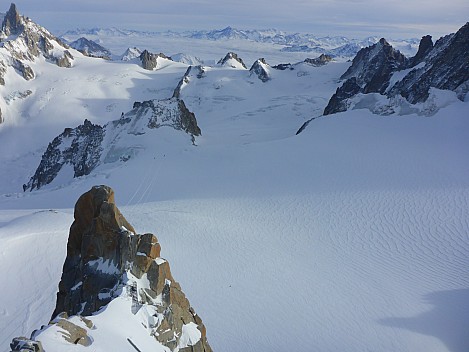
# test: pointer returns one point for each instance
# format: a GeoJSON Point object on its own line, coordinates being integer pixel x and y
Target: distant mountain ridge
{"type": "Point", "coordinates": [293, 42]}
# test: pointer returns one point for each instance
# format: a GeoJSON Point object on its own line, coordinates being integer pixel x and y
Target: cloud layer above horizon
{"type": "Point", "coordinates": [351, 18]}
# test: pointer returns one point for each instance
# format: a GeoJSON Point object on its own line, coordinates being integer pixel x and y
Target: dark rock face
{"type": "Point", "coordinates": [373, 66]}
{"type": "Point", "coordinates": [370, 72]}
{"type": "Point", "coordinates": [425, 46]}
{"type": "Point", "coordinates": [231, 56]}
{"type": "Point", "coordinates": [103, 247]}
{"type": "Point", "coordinates": [90, 48]}
{"type": "Point", "coordinates": [20, 344]}
{"type": "Point", "coordinates": [338, 102]}
{"type": "Point", "coordinates": [444, 65]}
{"type": "Point", "coordinates": [283, 67]}
{"type": "Point", "coordinates": [12, 22]}
{"type": "Point", "coordinates": [260, 69]}
{"type": "Point", "coordinates": [150, 61]}
{"type": "Point", "coordinates": [3, 70]}
{"type": "Point", "coordinates": [83, 148]}
{"type": "Point", "coordinates": [83, 154]}
{"type": "Point", "coordinates": [321, 60]}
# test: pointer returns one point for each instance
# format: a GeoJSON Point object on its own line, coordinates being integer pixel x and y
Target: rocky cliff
{"type": "Point", "coordinates": [152, 61]}
{"type": "Point", "coordinates": [260, 68]}
{"type": "Point", "coordinates": [87, 146]}
{"type": "Point", "coordinates": [106, 261]}
{"type": "Point", "coordinates": [383, 70]}
{"type": "Point", "coordinates": [321, 60]}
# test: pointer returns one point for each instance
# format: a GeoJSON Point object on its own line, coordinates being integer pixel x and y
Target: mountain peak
{"type": "Point", "coordinates": [232, 59]}
{"type": "Point", "coordinates": [12, 21]}
{"type": "Point", "coordinates": [261, 69]}
{"type": "Point", "coordinates": [109, 265]}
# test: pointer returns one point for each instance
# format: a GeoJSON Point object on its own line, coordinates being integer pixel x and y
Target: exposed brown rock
{"type": "Point", "coordinates": [73, 333]}
{"type": "Point", "coordinates": [102, 247]}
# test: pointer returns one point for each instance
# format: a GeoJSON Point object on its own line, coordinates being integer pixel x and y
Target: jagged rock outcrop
{"type": "Point", "coordinates": [338, 101]}
{"type": "Point", "coordinates": [108, 265]}
{"type": "Point", "coordinates": [104, 253]}
{"type": "Point", "coordinates": [82, 153]}
{"type": "Point", "coordinates": [283, 67]}
{"type": "Point", "coordinates": [170, 112]}
{"type": "Point", "coordinates": [23, 344]}
{"type": "Point", "coordinates": [444, 65]}
{"type": "Point", "coordinates": [23, 41]}
{"type": "Point", "coordinates": [232, 60]}
{"type": "Point", "coordinates": [198, 71]}
{"type": "Point", "coordinates": [373, 66]}
{"type": "Point", "coordinates": [321, 60]}
{"type": "Point", "coordinates": [85, 147]}
{"type": "Point", "coordinates": [425, 46]}
{"type": "Point", "coordinates": [150, 61]}
{"type": "Point", "coordinates": [371, 70]}
{"type": "Point", "coordinates": [90, 48]}
{"type": "Point", "coordinates": [3, 70]}
{"type": "Point", "coordinates": [260, 68]}
{"type": "Point", "coordinates": [12, 23]}
{"type": "Point", "coordinates": [25, 70]}
{"type": "Point", "coordinates": [99, 250]}
{"type": "Point", "coordinates": [65, 60]}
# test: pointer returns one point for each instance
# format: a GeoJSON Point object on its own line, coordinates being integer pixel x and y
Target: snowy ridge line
{"type": "Point", "coordinates": [257, 35]}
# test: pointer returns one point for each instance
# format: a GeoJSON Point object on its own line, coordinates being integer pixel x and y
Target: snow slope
{"type": "Point", "coordinates": [351, 236]}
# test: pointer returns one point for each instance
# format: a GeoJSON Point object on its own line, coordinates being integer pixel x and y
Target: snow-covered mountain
{"type": "Point", "coordinates": [404, 81]}
{"type": "Point", "coordinates": [87, 146]}
{"type": "Point", "coordinates": [90, 48]}
{"type": "Point", "coordinates": [22, 43]}
{"type": "Point", "coordinates": [349, 236]}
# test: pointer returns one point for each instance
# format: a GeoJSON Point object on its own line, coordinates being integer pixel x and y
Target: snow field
{"type": "Point", "coordinates": [351, 236]}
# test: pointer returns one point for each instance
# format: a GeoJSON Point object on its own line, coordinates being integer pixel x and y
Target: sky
{"type": "Point", "coordinates": [350, 18]}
